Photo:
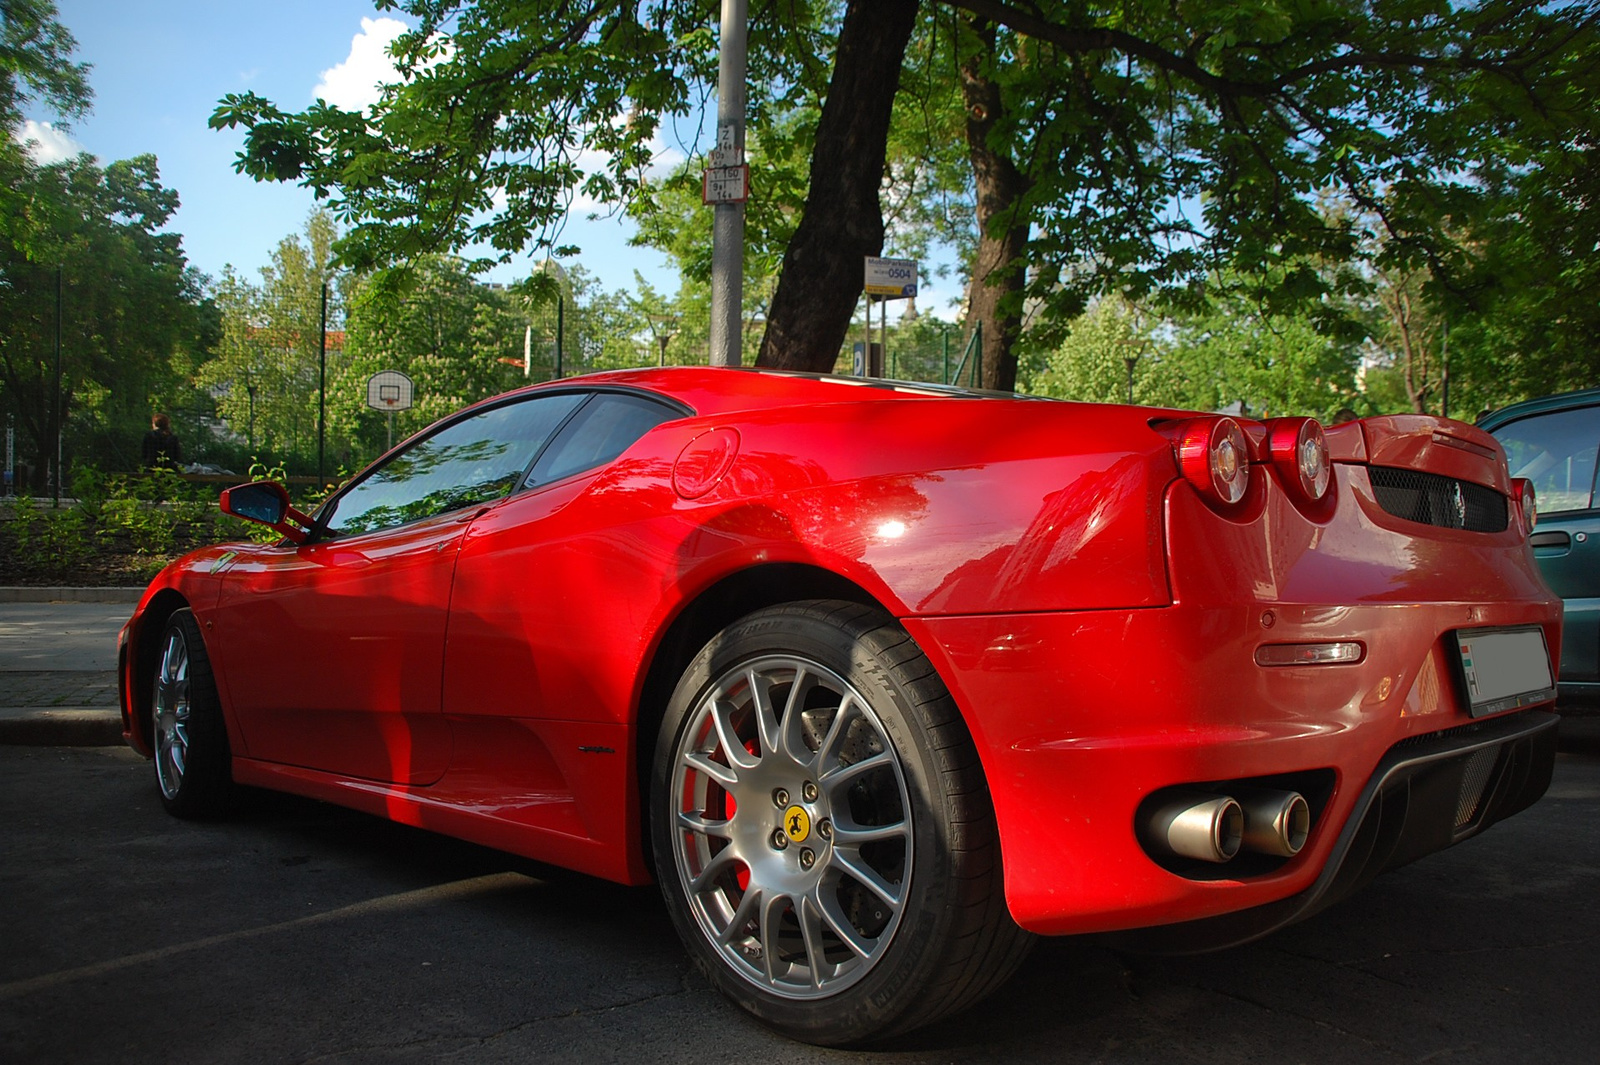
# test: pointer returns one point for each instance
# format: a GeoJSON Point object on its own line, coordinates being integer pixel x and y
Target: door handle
{"type": "Point", "coordinates": [1554, 538]}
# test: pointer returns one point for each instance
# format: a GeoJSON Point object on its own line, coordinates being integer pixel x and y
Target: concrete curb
{"type": "Point", "coordinates": [58, 726]}
{"type": "Point", "coordinates": [44, 594]}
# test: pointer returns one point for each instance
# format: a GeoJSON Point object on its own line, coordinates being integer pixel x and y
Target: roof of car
{"type": "Point", "coordinates": [728, 389]}
{"type": "Point", "coordinates": [1540, 405]}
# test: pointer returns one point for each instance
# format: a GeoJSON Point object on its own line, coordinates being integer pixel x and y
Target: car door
{"type": "Point", "coordinates": [1557, 451]}
{"type": "Point", "coordinates": [514, 618]}
{"type": "Point", "coordinates": [334, 649]}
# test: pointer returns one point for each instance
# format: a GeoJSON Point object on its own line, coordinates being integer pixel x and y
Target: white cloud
{"type": "Point", "coordinates": [46, 143]}
{"type": "Point", "coordinates": [355, 84]}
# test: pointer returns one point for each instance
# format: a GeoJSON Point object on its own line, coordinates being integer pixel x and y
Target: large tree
{"type": "Point", "coordinates": [267, 367]}
{"type": "Point", "coordinates": [100, 283]}
{"type": "Point", "coordinates": [36, 68]}
{"type": "Point", "coordinates": [1133, 146]}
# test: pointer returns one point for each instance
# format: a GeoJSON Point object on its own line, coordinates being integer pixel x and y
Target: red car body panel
{"type": "Point", "coordinates": [485, 673]}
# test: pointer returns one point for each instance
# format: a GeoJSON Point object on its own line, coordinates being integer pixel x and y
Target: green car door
{"type": "Point", "coordinates": [1553, 442]}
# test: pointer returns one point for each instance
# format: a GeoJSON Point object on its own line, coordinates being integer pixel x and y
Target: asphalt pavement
{"type": "Point", "coordinates": [58, 659]}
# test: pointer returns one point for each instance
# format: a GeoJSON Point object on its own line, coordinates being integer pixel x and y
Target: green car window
{"type": "Point", "coordinates": [1555, 451]}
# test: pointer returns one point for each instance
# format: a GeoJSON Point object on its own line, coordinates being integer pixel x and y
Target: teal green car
{"type": "Point", "coordinates": [1553, 442]}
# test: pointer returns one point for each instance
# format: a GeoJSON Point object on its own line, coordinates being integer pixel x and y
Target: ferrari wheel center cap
{"type": "Point", "coordinates": [796, 824]}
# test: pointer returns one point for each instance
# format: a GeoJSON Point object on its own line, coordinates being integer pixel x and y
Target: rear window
{"type": "Point", "coordinates": [606, 427]}
{"type": "Point", "coordinates": [1555, 451]}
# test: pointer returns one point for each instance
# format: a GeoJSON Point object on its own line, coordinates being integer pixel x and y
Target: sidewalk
{"type": "Point", "coordinates": [55, 707]}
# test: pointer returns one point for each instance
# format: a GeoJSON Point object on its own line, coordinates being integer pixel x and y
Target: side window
{"type": "Point", "coordinates": [605, 428]}
{"type": "Point", "coordinates": [472, 461]}
{"type": "Point", "coordinates": [1556, 452]}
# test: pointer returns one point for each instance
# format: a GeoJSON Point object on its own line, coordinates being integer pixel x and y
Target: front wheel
{"type": "Point", "coordinates": [822, 831]}
{"type": "Point", "coordinates": [188, 734]}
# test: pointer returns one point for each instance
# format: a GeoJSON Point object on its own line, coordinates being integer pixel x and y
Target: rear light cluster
{"type": "Point", "coordinates": [1216, 455]}
{"type": "Point", "coordinates": [1527, 502]}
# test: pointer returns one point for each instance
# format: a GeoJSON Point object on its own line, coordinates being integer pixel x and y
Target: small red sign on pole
{"type": "Point", "coordinates": [726, 184]}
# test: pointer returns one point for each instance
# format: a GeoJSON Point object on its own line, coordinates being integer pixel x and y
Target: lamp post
{"type": "Point", "coordinates": [59, 414]}
{"type": "Point", "coordinates": [663, 327]}
{"type": "Point", "coordinates": [322, 383]}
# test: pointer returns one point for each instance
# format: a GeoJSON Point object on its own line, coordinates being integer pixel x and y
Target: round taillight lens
{"type": "Point", "coordinates": [1527, 502]}
{"type": "Point", "coordinates": [1215, 457]}
{"type": "Point", "coordinates": [1300, 452]}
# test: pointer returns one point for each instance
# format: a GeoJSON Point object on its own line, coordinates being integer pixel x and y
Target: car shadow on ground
{"type": "Point", "coordinates": [1464, 953]}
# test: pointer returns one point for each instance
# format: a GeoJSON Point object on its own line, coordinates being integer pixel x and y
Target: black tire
{"type": "Point", "coordinates": [838, 876]}
{"type": "Point", "coordinates": [188, 736]}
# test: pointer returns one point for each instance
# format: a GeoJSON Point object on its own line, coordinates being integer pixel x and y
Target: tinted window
{"type": "Point", "coordinates": [601, 431]}
{"type": "Point", "coordinates": [1556, 452]}
{"type": "Point", "coordinates": [472, 461]}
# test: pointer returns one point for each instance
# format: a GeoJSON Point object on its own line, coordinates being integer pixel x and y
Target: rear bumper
{"type": "Point", "coordinates": [1428, 793]}
{"type": "Point", "coordinates": [1080, 717]}
{"type": "Point", "coordinates": [1578, 699]}
{"type": "Point", "coordinates": [1086, 716]}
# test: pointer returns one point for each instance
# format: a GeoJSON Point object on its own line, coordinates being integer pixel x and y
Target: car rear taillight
{"type": "Point", "coordinates": [1527, 501]}
{"type": "Point", "coordinates": [1300, 452]}
{"type": "Point", "coordinates": [1215, 457]}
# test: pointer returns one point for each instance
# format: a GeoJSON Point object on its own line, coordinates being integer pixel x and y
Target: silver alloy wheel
{"type": "Point", "coordinates": [793, 832]}
{"type": "Point", "coordinates": [171, 714]}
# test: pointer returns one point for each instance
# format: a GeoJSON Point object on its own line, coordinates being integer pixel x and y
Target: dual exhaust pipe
{"type": "Point", "coordinates": [1213, 828]}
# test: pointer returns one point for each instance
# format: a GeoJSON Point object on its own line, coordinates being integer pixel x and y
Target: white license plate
{"type": "Point", "coordinates": [1502, 669]}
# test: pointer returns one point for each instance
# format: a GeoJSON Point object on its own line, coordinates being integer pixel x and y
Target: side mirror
{"type": "Point", "coordinates": [266, 502]}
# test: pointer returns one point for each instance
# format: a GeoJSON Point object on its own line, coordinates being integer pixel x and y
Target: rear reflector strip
{"type": "Point", "coordinates": [1309, 654]}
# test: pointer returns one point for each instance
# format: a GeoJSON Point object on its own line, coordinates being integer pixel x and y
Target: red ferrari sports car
{"type": "Point", "coordinates": [876, 680]}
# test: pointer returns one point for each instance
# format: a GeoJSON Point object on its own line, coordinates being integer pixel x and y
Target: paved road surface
{"type": "Point", "coordinates": [303, 933]}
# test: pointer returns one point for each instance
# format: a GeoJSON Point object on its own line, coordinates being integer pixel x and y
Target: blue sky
{"type": "Point", "coordinates": [159, 68]}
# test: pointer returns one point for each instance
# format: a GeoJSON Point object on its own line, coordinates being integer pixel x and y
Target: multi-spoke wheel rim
{"type": "Point", "coordinates": [171, 714]}
{"type": "Point", "coordinates": [792, 829]}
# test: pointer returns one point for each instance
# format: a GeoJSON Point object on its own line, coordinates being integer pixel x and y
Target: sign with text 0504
{"type": "Point", "coordinates": [891, 278]}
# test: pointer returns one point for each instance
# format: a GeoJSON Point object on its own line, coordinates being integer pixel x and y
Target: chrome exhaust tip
{"type": "Point", "coordinates": [1209, 828]}
{"type": "Point", "coordinates": [1275, 822]}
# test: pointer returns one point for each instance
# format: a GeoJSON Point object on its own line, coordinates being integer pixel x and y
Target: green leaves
{"type": "Point", "coordinates": [87, 244]}
{"type": "Point", "coordinates": [36, 63]}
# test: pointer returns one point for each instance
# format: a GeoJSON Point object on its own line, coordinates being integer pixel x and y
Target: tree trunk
{"type": "Point", "coordinates": [822, 274]}
{"type": "Point", "coordinates": [994, 295]}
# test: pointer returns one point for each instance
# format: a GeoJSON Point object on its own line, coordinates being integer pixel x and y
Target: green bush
{"type": "Point", "coordinates": [47, 540]}
{"type": "Point", "coordinates": [145, 520]}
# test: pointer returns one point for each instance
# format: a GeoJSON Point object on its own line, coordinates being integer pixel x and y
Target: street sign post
{"type": "Point", "coordinates": [884, 280]}
{"type": "Point", "coordinates": [894, 279]}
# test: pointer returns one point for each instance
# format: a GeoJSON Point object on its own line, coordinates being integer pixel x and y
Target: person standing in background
{"type": "Point", "coordinates": [160, 449]}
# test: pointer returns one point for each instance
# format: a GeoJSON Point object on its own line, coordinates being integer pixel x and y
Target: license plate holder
{"type": "Point", "coordinates": [1503, 669]}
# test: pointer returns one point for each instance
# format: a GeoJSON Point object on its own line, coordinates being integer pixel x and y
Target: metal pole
{"type": "Point", "coordinates": [322, 384]}
{"type": "Point", "coordinates": [1444, 406]}
{"type": "Point", "coordinates": [883, 338]}
{"type": "Point", "coordinates": [561, 325]}
{"type": "Point", "coordinates": [727, 227]}
{"type": "Point", "coordinates": [58, 385]}
{"type": "Point", "coordinates": [866, 342]}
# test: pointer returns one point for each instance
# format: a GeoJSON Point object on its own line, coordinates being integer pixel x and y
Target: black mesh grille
{"type": "Point", "coordinates": [1443, 501]}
